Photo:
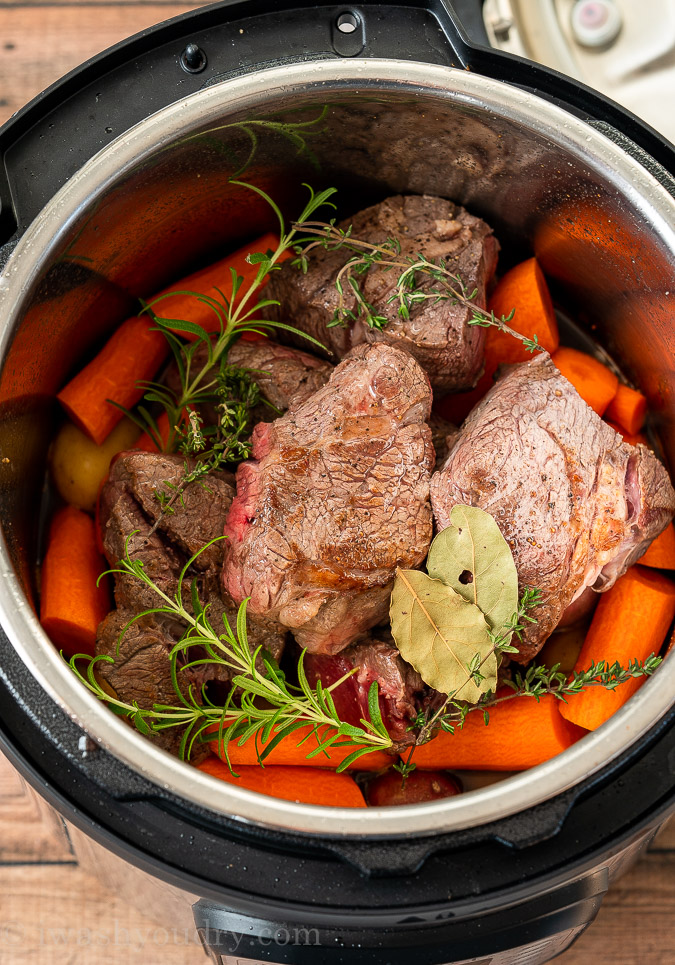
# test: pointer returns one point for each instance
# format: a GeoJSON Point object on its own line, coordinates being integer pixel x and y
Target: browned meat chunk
{"type": "Point", "coordinates": [402, 692]}
{"type": "Point", "coordinates": [334, 500]}
{"type": "Point", "coordinates": [436, 334]}
{"type": "Point", "coordinates": [284, 375]}
{"type": "Point", "coordinates": [141, 671]}
{"type": "Point", "coordinates": [576, 504]}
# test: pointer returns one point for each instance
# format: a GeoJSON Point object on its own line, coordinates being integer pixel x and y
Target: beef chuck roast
{"type": "Point", "coordinates": [284, 374]}
{"type": "Point", "coordinates": [334, 500]}
{"type": "Point", "coordinates": [576, 504]}
{"type": "Point", "coordinates": [436, 333]}
{"type": "Point", "coordinates": [402, 692]}
{"type": "Point", "coordinates": [141, 671]}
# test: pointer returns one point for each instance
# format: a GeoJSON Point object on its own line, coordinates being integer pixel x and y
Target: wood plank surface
{"type": "Point", "coordinates": [51, 912]}
{"type": "Point", "coordinates": [40, 43]}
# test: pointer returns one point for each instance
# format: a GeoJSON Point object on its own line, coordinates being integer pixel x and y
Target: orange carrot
{"type": "Point", "coordinates": [630, 623]}
{"type": "Point", "coordinates": [207, 281]}
{"type": "Point", "coordinates": [593, 381]}
{"type": "Point", "coordinates": [287, 752]}
{"type": "Point", "coordinates": [523, 288]}
{"type": "Point", "coordinates": [661, 553]}
{"type": "Point", "coordinates": [306, 785]}
{"type": "Point", "coordinates": [633, 440]}
{"type": "Point", "coordinates": [133, 353]}
{"type": "Point", "coordinates": [628, 408]}
{"type": "Point", "coordinates": [521, 733]}
{"type": "Point", "coordinates": [72, 605]}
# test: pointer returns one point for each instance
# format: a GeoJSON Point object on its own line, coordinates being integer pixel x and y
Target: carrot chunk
{"type": "Point", "coordinates": [305, 785]}
{"type": "Point", "coordinates": [523, 288]}
{"type": "Point", "coordinates": [207, 281]}
{"type": "Point", "coordinates": [522, 733]}
{"type": "Point", "coordinates": [628, 409]}
{"type": "Point", "coordinates": [290, 751]}
{"type": "Point", "coordinates": [630, 623]}
{"type": "Point", "coordinates": [593, 381]}
{"type": "Point", "coordinates": [661, 553]}
{"type": "Point", "coordinates": [72, 605]}
{"type": "Point", "coordinates": [135, 352]}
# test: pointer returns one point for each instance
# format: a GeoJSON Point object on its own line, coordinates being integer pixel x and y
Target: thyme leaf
{"type": "Point", "coordinates": [419, 280]}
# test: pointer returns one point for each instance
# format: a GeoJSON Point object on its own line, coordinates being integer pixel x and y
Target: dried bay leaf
{"type": "Point", "coordinates": [472, 557]}
{"type": "Point", "coordinates": [440, 633]}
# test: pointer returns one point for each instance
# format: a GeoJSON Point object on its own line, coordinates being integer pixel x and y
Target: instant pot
{"type": "Point", "coordinates": [119, 179]}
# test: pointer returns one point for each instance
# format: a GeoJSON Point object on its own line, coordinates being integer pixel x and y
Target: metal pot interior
{"type": "Point", "coordinates": [161, 200]}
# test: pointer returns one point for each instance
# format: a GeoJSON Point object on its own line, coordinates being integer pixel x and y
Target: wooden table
{"type": "Point", "coordinates": [50, 911]}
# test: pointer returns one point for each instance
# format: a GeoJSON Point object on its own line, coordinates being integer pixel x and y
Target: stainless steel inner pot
{"type": "Point", "coordinates": [160, 198]}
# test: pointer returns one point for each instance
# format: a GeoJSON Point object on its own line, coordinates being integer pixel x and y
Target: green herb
{"type": "Point", "coordinates": [202, 365]}
{"type": "Point", "coordinates": [296, 133]}
{"type": "Point", "coordinates": [419, 280]}
{"type": "Point", "coordinates": [472, 557]}
{"type": "Point", "coordinates": [262, 705]}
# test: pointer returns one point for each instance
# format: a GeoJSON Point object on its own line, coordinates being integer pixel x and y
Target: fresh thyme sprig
{"type": "Point", "coordinates": [207, 448]}
{"type": "Point", "coordinates": [537, 681]}
{"type": "Point", "coordinates": [284, 709]}
{"type": "Point", "coordinates": [419, 280]}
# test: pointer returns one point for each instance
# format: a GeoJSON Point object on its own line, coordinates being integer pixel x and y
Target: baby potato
{"type": "Point", "coordinates": [563, 647]}
{"type": "Point", "coordinates": [388, 789]}
{"type": "Point", "coordinates": [78, 465]}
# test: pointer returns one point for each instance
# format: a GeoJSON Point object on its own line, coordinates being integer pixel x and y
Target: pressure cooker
{"type": "Point", "coordinates": [121, 178]}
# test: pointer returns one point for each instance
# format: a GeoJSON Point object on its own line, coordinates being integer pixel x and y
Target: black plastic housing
{"type": "Point", "coordinates": [439, 898]}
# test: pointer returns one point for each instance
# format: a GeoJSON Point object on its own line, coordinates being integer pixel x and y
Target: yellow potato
{"type": "Point", "coordinates": [563, 647]}
{"type": "Point", "coordinates": [78, 465]}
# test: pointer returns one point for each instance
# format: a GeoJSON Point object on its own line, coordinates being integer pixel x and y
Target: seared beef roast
{"type": "Point", "coordinates": [436, 333]}
{"type": "Point", "coordinates": [284, 374]}
{"type": "Point", "coordinates": [141, 671]}
{"type": "Point", "coordinates": [335, 498]}
{"type": "Point", "coordinates": [443, 437]}
{"type": "Point", "coordinates": [576, 504]}
{"type": "Point", "coordinates": [402, 692]}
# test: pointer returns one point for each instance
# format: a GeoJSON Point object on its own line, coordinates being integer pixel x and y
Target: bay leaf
{"type": "Point", "coordinates": [439, 633]}
{"type": "Point", "coordinates": [472, 557]}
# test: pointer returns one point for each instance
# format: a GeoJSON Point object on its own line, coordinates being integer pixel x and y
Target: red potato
{"type": "Point", "coordinates": [389, 790]}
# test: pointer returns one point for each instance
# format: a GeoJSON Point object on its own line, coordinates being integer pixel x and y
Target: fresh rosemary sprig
{"type": "Point", "coordinates": [262, 705]}
{"type": "Point", "coordinates": [419, 280]}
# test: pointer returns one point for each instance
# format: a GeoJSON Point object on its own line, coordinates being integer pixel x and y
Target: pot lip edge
{"type": "Point", "coordinates": [311, 819]}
